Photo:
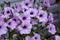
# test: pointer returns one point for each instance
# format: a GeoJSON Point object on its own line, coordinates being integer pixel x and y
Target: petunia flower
{"type": "Point", "coordinates": [32, 12]}
{"type": "Point", "coordinates": [2, 17]}
{"type": "Point", "coordinates": [36, 36]}
{"type": "Point", "coordinates": [12, 23]}
{"type": "Point", "coordinates": [46, 3]}
{"type": "Point", "coordinates": [3, 25]}
{"type": "Point", "coordinates": [17, 7]}
{"type": "Point", "coordinates": [3, 29]}
{"type": "Point", "coordinates": [28, 38]}
{"type": "Point", "coordinates": [25, 28]}
{"type": "Point", "coordinates": [51, 28]}
{"type": "Point", "coordinates": [42, 16]}
{"type": "Point", "coordinates": [24, 8]}
{"type": "Point", "coordinates": [24, 17]}
{"type": "Point", "coordinates": [8, 11]}
{"type": "Point", "coordinates": [57, 37]}
{"type": "Point", "coordinates": [26, 3]}
{"type": "Point", "coordinates": [50, 18]}
{"type": "Point", "coordinates": [16, 19]}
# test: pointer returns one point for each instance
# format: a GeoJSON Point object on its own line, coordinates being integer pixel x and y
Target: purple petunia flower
{"type": "Point", "coordinates": [35, 37]}
{"type": "Point", "coordinates": [17, 7]}
{"type": "Point", "coordinates": [25, 28]}
{"type": "Point", "coordinates": [24, 17]}
{"type": "Point", "coordinates": [8, 11]}
{"type": "Point", "coordinates": [42, 16]}
{"type": "Point", "coordinates": [46, 3]}
{"type": "Point", "coordinates": [24, 8]}
{"type": "Point", "coordinates": [16, 19]}
{"type": "Point", "coordinates": [50, 18]}
{"type": "Point", "coordinates": [51, 28]}
{"type": "Point", "coordinates": [57, 37]}
{"type": "Point", "coordinates": [12, 24]}
{"type": "Point", "coordinates": [32, 12]}
{"type": "Point", "coordinates": [26, 3]}
{"type": "Point", "coordinates": [2, 17]}
{"type": "Point", "coordinates": [3, 25]}
{"type": "Point", "coordinates": [28, 38]}
{"type": "Point", "coordinates": [3, 29]}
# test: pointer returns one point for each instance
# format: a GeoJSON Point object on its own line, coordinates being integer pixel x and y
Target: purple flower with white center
{"type": "Point", "coordinates": [3, 29]}
{"type": "Point", "coordinates": [25, 28]}
{"type": "Point", "coordinates": [24, 17]}
{"type": "Point", "coordinates": [50, 18]}
{"type": "Point", "coordinates": [42, 16]}
{"type": "Point", "coordinates": [46, 3]}
{"type": "Point", "coordinates": [57, 37]}
{"type": "Point", "coordinates": [12, 24]}
{"type": "Point", "coordinates": [36, 37]}
{"type": "Point", "coordinates": [32, 12]}
{"type": "Point", "coordinates": [51, 28]}
{"type": "Point", "coordinates": [33, 22]}
{"type": "Point", "coordinates": [8, 11]}
{"type": "Point", "coordinates": [17, 7]}
{"type": "Point", "coordinates": [26, 3]}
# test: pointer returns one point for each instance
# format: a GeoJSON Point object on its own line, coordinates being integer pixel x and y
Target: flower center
{"type": "Point", "coordinates": [50, 28]}
{"type": "Point", "coordinates": [31, 13]}
{"type": "Point", "coordinates": [14, 19]}
{"type": "Point", "coordinates": [16, 6]}
{"type": "Point", "coordinates": [0, 27]}
{"type": "Point", "coordinates": [24, 27]}
{"type": "Point", "coordinates": [35, 37]}
{"type": "Point", "coordinates": [9, 23]}
{"type": "Point", "coordinates": [45, 2]}
{"type": "Point", "coordinates": [8, 12]}
{"type": "Point", "coordinates": [26, 4]}
{"type": "Point", "coordinates": [24, 18]}
{"type": "Point", "coordinates": [40, 15]}
{"type": "Point", "coordinates": [24, 9]}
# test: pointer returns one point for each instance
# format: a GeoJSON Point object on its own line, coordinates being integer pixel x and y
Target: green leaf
{"type": "Point", "coordinates": [44, 8]}
{"type": "Point", "coordinates": [10, 33]}
{"type": "Point", "coordinates": [58, 30]}
{"type": "Point", "coordinates": [2, 6]}
{"type": "Point", "coordinates": [7, 3]}
{"type": "Point", "coordinates": [20, 12]}
{"type": "Point", "coordinates": [5, 19]}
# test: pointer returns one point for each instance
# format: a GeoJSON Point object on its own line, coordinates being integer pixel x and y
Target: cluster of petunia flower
{"type": "Point", "coordinates": [22, 16]}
